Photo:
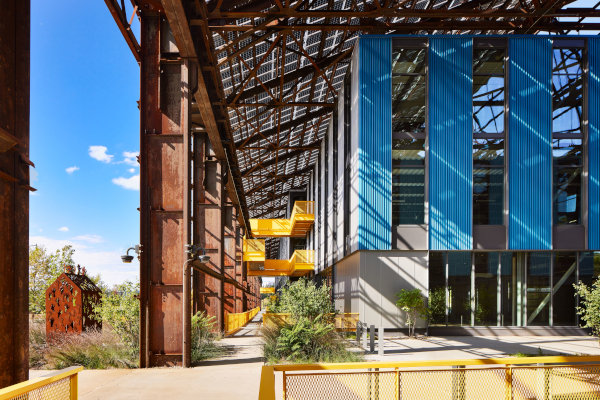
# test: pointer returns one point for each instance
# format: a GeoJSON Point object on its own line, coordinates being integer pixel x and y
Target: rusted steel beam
{"type": "Point", "coordinates": [410, 27]}
{"type": "Point", "coordinates": [402, 13]}
{"type": "Point", "coordinates": [120, 18]}
{"type": "Point", "coordinates": [14, 194]}
{"type": "Point", "coordinates": [165, 101]}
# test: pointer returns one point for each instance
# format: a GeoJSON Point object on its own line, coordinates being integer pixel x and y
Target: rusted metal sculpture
{"type": "Point", "coordinates": [70, 301]}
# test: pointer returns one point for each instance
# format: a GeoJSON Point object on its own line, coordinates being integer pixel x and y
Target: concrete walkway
{"type": "Point", "coordinates": [237, 375]}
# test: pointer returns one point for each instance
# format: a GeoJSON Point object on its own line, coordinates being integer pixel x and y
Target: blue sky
{"type": "Point", "coordinates": [84, 136]}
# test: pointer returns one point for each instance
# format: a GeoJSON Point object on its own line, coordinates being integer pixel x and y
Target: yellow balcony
{"type": "Point", "coordinates": [301, 263]}
{"type": "Point", "coordinates": [298, 225]}
{"type": "Point", "coordinates": [254, 250]}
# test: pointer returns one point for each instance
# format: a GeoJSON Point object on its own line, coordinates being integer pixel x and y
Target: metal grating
{"type": "Point", "coordinates": [59, 390]}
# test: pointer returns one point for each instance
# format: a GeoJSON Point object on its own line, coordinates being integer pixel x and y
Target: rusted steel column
{"type": "Point", "coordinates": [208, 226]}
{"type": "Point", "coordinates": [229, 255]}
{"type": "Point", "coordinates": [239, 305]}
{"type": "Point", "coordinates": [165, 101]}
{"type": "Point", "coordinates": [14, 191]}
{"type": "Point", "coordinates": [198, 278]}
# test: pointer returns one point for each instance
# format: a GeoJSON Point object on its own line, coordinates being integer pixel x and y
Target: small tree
{"type": "Point", "coordinates": [304, 299]}
{"type": "Point", "coordinates": [44, 268]}
{"type": "Point", "coordinates": [120, 308]}
{"type": "Point", "coordinates": [412, 302]}
{"type": "Point", "coordinates": [590, 299]}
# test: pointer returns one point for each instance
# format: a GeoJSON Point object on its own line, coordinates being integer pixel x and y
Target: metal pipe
{"type": "Point", "coordinates": [187, 317]}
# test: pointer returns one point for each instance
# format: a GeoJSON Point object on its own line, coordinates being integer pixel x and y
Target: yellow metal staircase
{"type": "Point", "coordinates": [298, 225]}
{"type": "Point", "coordinates": [301, 263]}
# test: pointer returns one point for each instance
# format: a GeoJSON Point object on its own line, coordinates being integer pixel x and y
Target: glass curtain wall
{"type": "Point", "coordinates": [408, 135]}
{"type": "Point", "coordinates": [507, 288]}
{"type": "Point", "coordinates": [488, 134]}
{"type": "Point", "coordinates": [567, 132]}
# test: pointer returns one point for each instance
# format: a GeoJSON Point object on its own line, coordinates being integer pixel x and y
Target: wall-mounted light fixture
{"type": "Point", "coordinates": [126, 258]}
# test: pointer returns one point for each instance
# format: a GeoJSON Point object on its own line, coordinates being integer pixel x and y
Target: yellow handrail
{"type": "Point", "coordinates": [343, 321]}
{"type": "Point", "coordinates": [45, 386]}
{"type": "Point", "coordinates": [235, 321]}
{"type": "Point", "coordinates": [550, 376]}
{"type": "Point", "coordinates": [298, 225]}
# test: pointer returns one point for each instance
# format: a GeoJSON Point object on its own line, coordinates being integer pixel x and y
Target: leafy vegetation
{"type": "Point", "coordinates": [589, 311]}
{"type": "Point", "coordinates": [303, 298]}
{"type": "Point", "coordinates": [120, 309]}
{"type": "Point", "coordinates": [413, 303]}
{"type": "Point", "coordinates": [310, 334]}
{"type": "Point", "coordinates": [44, 268]}
{"type": "Point", "coordinates": [204, 338]}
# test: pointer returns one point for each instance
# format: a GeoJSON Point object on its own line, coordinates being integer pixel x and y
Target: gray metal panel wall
{"type": "Point", "coordinates": [530, 143]}
{"type": "Point", "coordinates": [450, 143]}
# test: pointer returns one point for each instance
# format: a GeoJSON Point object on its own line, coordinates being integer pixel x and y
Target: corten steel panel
{"type": "Point", "coordinates": [164, 154]}
{"type": "Point", "coordinates": [198, 278]}
{"type": "Point", "coordinates": [375, 143]}
{"type": "Point", "coordinates": [450, 101]}
{"type": "Point", "coordinates": [164, 114]}
{"type": "Point", "coordinates": [14, 195]}
{"type": "Point", "coordinates": [165, 322]}
{"type": "Point", "coordinates": [594, 144]}
{"type": "Point", "coordinates": [167, 252]}
{"type": "Point", "coordinates": [530, 143]}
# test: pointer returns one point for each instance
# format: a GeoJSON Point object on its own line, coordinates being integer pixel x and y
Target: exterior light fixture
{"type": "Point", "coordinates": [126, 258]}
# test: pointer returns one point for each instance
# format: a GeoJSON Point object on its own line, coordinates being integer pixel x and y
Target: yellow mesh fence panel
{"type": "Point", "coordinates": [59, 390]}
{"type": "Point", "coordinates": [580, 382]}
{"type": "Point", "coordinates": [349, 386]}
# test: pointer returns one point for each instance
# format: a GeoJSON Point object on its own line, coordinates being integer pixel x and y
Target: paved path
{"type": "Point", "coordinates": [237, 375]}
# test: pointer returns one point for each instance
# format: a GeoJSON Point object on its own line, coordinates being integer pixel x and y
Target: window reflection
{"type": "Point", "coordinates": [567, 105]}
{"type": "Point", "coordinates": [408, 129]}
{"type": "Point", "coordinates": [459, 288]}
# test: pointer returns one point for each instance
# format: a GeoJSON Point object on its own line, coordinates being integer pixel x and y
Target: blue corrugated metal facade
{"type": "Point", "coordinates": [450, 143]}
{"type": "Point", "coordinates": [375, 143]}
{"type": "Point", "coordinates": [530, 143]}
{"type": "Point", "coordinates": [594, 144]}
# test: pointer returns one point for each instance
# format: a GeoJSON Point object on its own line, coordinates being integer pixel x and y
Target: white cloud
{"type": "Point", "coordinates": [131, 158]}
{"type": "Point", "coordinates": [131, 183]}
{"type": "Point", "coordinates": [72, 169]}
{"type": "Point", "coordinates": [33, 174]}
{"type": "Point", "coordinates": [63, 229]}
{"type": "Point", "coordinates": [89, 238]}
{"type": "Point", "coordinates": [107, 263]}
{"type": "Point", "coordinates": [99, 153]}
{"type": "Point", "coordinates": [131, 170]}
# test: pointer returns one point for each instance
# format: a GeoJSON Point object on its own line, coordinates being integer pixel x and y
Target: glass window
{"type": "Point", "coordinates": [488, 136]}
{"type": "Point", "coordinates": [408, 195]}
{"type": "Point", "coordinates": [459, 288]}
{"type": "Point", "coordinates": [589, 267]}
{"type": "Point", "coordinates": [508, 290]}
{"type": "Point", "coordinates": [538, 288]}
{"type": "Point", "coordinates": [408, 130]}
{"type": "Point", "coordinates": [437, 288]}
{"type": "Point", "coordinates": [563, 278]}
{"type": "Point", "coordinates": [486, 288]}
{"type": "Point", "coordinates": [567, 109]}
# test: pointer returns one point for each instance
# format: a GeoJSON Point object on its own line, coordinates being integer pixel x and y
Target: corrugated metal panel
{"type": "Point", "coordinates": [594, 144]}
{"type": "Point", "coordinates": [375, 144]}
{"type": "Point", "coordinates": [530, 144]}
{"type": "Point", "coordinates": [450, 143]}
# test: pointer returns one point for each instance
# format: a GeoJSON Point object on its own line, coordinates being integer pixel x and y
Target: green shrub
{"type": "Point", "coordinates": [120, 309]}
{"type": "Point", "coordinates": [590, 309]}
{"type": "Point", "coordinates": [412, 302]}
{"type": "Point", "coordinates": [204, 338]}
{"type": "Point", "coordinates": [309, 335]}
{"type": "Point", "coordinates": [303, 298]}
{"type": "Point", "coordinates": [437, 305]}
{"type": "Point", "coordinates": [306, 341]}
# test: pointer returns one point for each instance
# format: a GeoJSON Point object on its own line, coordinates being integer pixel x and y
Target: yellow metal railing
{"type": "Point", "coordinates": [234, 322]}
{"type": "Point", "coordinates": [343, 322]}
{"type": "Point", "coordinates": [298, 225]}
{"type": "Point", "coordinates": [301, 263]}
{"type": "Point", "coordinates": [267, 290]}
{"type": "Point", "coordinates": [61, 385]}
{"type": "Point", "coordinates": [254, 250]}
{"type": "Point", "coordinates": [535, 378]}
